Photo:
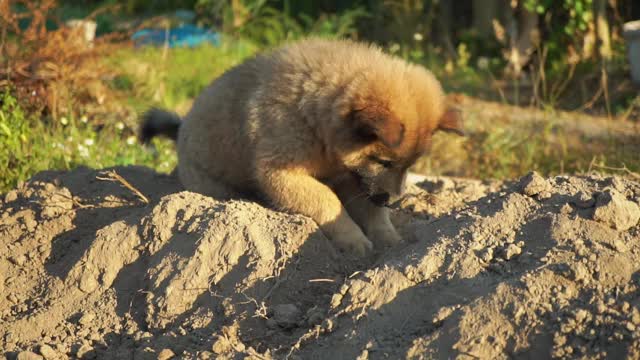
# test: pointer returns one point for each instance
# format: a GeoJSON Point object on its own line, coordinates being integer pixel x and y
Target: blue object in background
{"type": "Point", "coordinates": [181, 36]}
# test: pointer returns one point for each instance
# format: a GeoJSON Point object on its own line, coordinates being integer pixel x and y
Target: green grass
{"type": "Point", "coordinates": [28, 145]}
{"type": "Point", "coordinates": [149, 76]}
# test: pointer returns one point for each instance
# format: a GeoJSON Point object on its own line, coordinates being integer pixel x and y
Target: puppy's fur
{"type": "Point", "coordinates": [323, 128]}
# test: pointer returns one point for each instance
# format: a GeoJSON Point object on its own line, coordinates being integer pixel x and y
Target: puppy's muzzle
{"type": "Point", "coordinates": [380, 199]}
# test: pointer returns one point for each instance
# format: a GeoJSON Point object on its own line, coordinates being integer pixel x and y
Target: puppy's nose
{"type": "Point", "coordinates": [380, 199]}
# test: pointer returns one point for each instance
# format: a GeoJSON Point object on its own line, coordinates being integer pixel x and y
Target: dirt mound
{"type": "Point", "coordinates": [91, 268]}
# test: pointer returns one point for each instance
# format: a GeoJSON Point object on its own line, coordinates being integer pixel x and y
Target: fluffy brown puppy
{"type": "Point", "coordinates": [324, 128]}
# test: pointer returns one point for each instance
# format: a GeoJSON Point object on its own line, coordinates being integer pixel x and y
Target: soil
{"type": "Point", "coordinates": [533, 268]}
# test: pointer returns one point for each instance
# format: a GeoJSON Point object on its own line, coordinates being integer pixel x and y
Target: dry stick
{"type": "Point", "coordinates": [322, 280]}
{"type": "Point", "coordinates": [113, 176]}
{"type": "Point", "coordinates": [624, 168]}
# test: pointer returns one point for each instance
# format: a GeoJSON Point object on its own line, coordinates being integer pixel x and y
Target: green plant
{"type": "Point", "coordinates": [28, 146]}
{"type": "Point", "coordinates": [268, 25]}
{"type": "Point", "coordinates": [335, 25]}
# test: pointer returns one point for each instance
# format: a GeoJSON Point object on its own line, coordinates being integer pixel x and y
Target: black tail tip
{"type": "Point", "coordinates": [157, 122]}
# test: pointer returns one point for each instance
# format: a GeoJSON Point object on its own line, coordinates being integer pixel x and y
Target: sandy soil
{"type": "Point", "coordinates": [533, 268]}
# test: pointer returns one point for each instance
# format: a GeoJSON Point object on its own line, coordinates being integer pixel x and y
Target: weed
{"type": "Point", "coordinates": [27, 146]}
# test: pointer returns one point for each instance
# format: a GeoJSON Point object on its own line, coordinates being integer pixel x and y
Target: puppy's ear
{"type": "Point", "coordinates": [451, 121]}
{"type": "Point", "coordinates": [374, 125]}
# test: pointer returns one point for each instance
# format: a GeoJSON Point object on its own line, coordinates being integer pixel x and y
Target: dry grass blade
{"type": "Point", "coordinates": [322, 280]}
{"type": "Point", "coordinates": [114, 176]}
{"type": "Point", "coordinates": [624, 169]}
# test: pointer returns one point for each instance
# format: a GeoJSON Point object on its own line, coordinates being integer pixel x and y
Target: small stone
{"type": "Point", "coordinates": [11, 196]}
{"type": "Point", "coordinates": [28, 355]}
{"type": "Point", "coordinates": [86, 352]}
{"type": "Point", "coordinates": [625, 306]}
{"type": "Point", "coordinates": [13, 298]}
{"type": "Point", "coordinates": [86, 319]}
{"type": "Point", "coordinates": [614, 210]}
{"type": "Point", "coordinates": [560, 340]}
{"type": "Point", "coordinates": [584, 200]}
{"type": "Point", "coordinates": [619, 245]}
{"type": "Point", "coordinates": [87, 282]}
{"type": "Point", "coordinates": [272, 324]}
{"type": "Point", "coordinates": [48, 352]}
{"type": "Point", "coordinates": [601, 308]}
{"type": "Point", "coordinates": [635, 317]}
{"type": "Point", "coordinates": [581, 315]}
{"type": "Point", "coordinates": [166, 354]}
{"type": "Point", "coordinates": [487, 255]}
{"type": "Point", "coordinates": [221, 346]}
{"type": "Point", "coordinates": [18, 260]}
{"type": "Point", "coordinates": [511, 251]}
{"type": "Point", "coordinates": [566, 209]}
{"type": "Point", "coordinates": [315, 316]}
{"type": "Point", "coordinates": [286, 315]}
{"type": "Point", "coordinates": [533, 184]}
{"type": "Point", "coordinates": [205, 355]}
{"type": "Point", "coordinates": [630, 326]}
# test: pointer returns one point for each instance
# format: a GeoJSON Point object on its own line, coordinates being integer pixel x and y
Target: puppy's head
{"type": "Point", "coordinates": [389, 124]}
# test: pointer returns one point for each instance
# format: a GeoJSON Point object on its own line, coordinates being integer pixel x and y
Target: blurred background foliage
{"type": "Point", "coordinates": [548, 58]}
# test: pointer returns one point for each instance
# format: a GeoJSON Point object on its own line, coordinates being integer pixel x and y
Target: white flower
{"type": "Point", "coordinates": [83, 151]}
{"type": "Point", "coordinates": [418, 37]}
{"type": "Point", "coordinates": [88, 142]}
{"type": "Point", "coordinates": [483, 63]}
{"type": "Point", "coordinates": [119, 125]}
{"type": "Point", "coordinates": [64, 120]}
{"type": "Point", "coordinates": [131, 140]}
{"type": "Point", "coordinates": [84, 119]}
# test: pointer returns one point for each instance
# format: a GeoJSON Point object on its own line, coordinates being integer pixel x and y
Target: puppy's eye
{"type": "Point", "coordinates": [385, 163]}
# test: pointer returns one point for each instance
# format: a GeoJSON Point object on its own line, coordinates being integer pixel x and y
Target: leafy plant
{"type": "Point", "coordinates": [28, 146]}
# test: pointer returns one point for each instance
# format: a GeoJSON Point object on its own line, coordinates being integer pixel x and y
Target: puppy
{"type": "Point", "coordinates": [324, 128]}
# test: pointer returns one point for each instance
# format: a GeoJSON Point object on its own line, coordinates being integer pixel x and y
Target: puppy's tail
{"type": "Point", "coordinates": [157, 122]}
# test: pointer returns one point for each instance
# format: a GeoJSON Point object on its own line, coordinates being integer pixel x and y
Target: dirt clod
{"type": "Point", "coordinates": [28, 355]}
{"type": "Point", "coordinates": [166, 354]}
{"type": "Point", "coordinates": [286, 315]}
{"type": "Point", "coordinates": [613, 209]}
{"type": "Point", "coordinates": [47, 352]}
{"type": "Point", "coordinates": [490, 272]}
{"type": "Point", "coordinates": [533, 184]}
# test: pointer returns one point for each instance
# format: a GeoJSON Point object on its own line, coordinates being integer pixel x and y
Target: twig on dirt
{"type": "Point", "coordinates": [624, 168]}
{"type": "Point", "coordinates": [322, 280]}
{"type": "Point", "coordinates": [261, 308]}
{"type": "Point", "coordinates": [113, 176]}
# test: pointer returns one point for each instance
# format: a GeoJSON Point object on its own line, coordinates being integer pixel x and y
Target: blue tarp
{"type": "Point", "coordinates": [182, 36]}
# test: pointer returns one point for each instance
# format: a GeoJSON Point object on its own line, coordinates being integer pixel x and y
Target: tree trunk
{"type": "Point", "coordinates": [444, 22]}
{"type": "Point", "coordinates": [602, 28]}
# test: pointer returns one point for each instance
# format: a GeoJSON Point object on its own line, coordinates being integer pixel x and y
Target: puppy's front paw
{"type": "Point", "coordinates": [353, 241]}
{"type": "Point", "coordinates": [384, 236]}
